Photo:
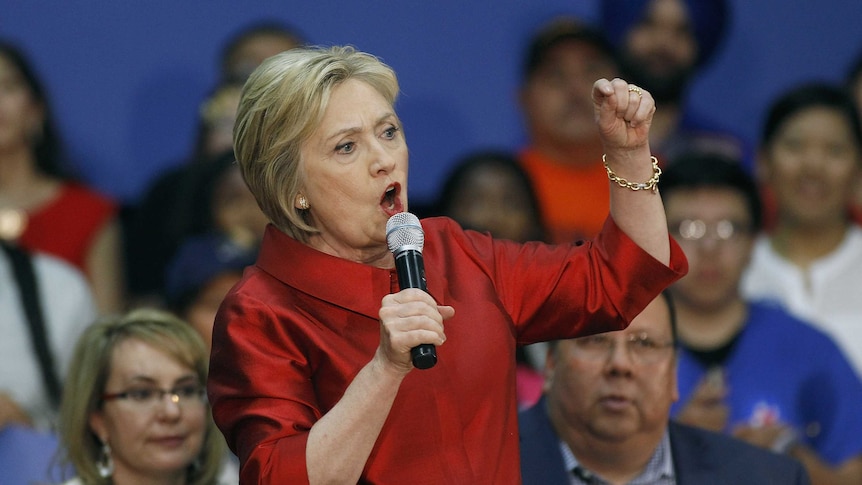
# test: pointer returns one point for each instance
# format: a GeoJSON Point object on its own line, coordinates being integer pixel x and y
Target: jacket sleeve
{"type": "Point", "coordinates": [261, 392]}
{"type": "Point", "coordinates": [564, 291]}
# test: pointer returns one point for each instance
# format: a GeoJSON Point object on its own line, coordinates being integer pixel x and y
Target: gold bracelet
{"type": "Point", "coordinates": [650, 184]}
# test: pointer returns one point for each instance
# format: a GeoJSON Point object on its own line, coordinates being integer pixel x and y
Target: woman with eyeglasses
{"type": "Point", "coordinates": [135, 409]}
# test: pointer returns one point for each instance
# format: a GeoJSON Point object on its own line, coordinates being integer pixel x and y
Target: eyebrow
{"type": "Point", "coordinates": [149, 380]}
{"type": "Point", "coordinates": [356, 129]}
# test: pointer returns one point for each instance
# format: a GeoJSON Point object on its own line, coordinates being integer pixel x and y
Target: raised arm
{"type": "Point", "coordinates": [624, 114]}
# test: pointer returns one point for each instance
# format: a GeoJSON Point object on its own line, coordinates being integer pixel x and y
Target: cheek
{"type": "Point", "coordinates": [544, 105]}
{"type": "Point", "coordinates": [124, 431]}
{"type": "Point", "coordinates": [782, 169]}
{"type": "Point", "coordinates": [197, 423]}
{"type": "Point", "coordinates": [685, 50]}
{"type": "Point", "coordinates": [335, 189]}
{"type": "Point", "coordinates": [843, 173]}
{"type": "Point", "coordinates": [659, 391]}
{"type": "Point", "coordinates": [576, 386]}
{"type": "Point", "coordinates": [196, 420]}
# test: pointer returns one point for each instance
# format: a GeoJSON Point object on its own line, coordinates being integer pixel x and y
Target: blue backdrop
{"type": "Point", "coordinates": [125, 78]}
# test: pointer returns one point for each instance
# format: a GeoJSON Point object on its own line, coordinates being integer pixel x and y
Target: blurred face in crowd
{"type": "Point", "coordinates": [661, 50]}
{"type": "Point", "coordinates": [151, 435]}
{"type": "Point", "coordinates": [813, 166]}
{"type": "Point", "coordinates": [254, 50]}
{"type": "Point", "coordinates": [201, 312]}
{"type": "Point", "coordinates": [20, 114]}
{"type": "Point", "coordinates": [235, 211]}
{"type": "Point", "coordinates": [354, 173]}
{"type": "Point", "coordinates": [493, 199]}
{"type": "Point", "coordinates": [714, 228]}
{"type": "Point", "coordinates": [218, 115]}
{"type": "Point", "coordinates": [557, 98]}
{"type": "Point", "coordinates": [615, 386]}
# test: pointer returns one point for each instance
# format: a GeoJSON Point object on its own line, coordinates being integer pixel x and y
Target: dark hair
{"type": "Point", "coordinates": [203, 180]}
{"type": "Point", "coordinates": [258, 29]}
{"type": "Point", "coordinates": [705, 169]}
{"type": "Point", "coordinates": [854, 72]}
{"type": "Point", "coordinates": [46, 147]}
{"type": "Point", "coordinates": [806, 96]}
{"type": "Point", "coordinates": [468, 164]}
{"type": "Point", "coordinates": [197, 262]}
{"type": "Point", "coordinates": [563, 29]}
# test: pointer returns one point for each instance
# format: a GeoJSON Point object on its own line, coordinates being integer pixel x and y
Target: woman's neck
{"type": "Point", "coordinates": [22, 186]}
{"type": "Point", "coordinates": [804, 244]}
{"type": "Point", "coordinates": [121, 477]}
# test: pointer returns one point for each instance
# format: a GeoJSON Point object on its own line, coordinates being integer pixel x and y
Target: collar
{"type": "Point", "coordinates": [298, 265]}
{"type": "Point", "coordinates": [659, 467]}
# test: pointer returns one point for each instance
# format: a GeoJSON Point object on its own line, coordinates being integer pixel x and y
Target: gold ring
{"type": "Point", "coordinates": [635, 89]}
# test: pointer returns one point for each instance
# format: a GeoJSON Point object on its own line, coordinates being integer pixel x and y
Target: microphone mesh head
{"type": "Point", "coordinates": [404, 229]}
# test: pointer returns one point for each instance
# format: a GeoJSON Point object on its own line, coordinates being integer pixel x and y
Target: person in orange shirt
{"type": "Point", "coordinates": [563, 156]}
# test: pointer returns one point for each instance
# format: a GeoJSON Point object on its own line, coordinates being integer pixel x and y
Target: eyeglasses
{"type": "Point", "coordinates": [694, 230]}
{"type": "Point", "coordinates": [641, 348]}
{"type": "Point", "coordinates": [150, 397]}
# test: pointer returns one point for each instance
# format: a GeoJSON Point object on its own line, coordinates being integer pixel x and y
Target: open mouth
{"type": "Point", "coordinates": [390, 202]}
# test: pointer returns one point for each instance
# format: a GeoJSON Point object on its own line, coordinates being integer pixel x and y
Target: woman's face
{"type": "Point", "coordinates": [354, 173]}
{"type": "Point", "coordinates": [157, 437]}
{"type": "Point", "coordinates": [811, 166]}
{"type": "Point", "coordinates": [219, 120]}
{"type": "Point", "coordinates": [494, 199]}
{"type": "Point", "coordinates": [20, 114]}
{"type": "Point", "coordinates": [235, 210]}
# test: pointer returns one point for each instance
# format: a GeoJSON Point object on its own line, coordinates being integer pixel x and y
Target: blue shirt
{"type": "Point", "coordinates": [782, 370]}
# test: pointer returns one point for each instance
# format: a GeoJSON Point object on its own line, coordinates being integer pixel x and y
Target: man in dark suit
{"type": "Point", "coordinates": [605, 418]}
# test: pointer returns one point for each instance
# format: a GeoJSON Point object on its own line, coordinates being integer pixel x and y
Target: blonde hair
{"type": "Point", "coordinates": [88, 374]}
{"type": "Point", "coordinates": [282, 104]}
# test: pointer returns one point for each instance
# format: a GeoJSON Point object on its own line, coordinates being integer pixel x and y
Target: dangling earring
{"type": "Point", "coordinates": [105, 464]}
{"type": "Point", "coordinates": [303, 202]}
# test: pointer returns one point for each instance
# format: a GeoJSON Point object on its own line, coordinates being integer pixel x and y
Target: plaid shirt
{"type": "Point", "coordinates": [658, 471]}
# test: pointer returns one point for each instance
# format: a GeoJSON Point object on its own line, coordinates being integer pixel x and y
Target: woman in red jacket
{"type": "Point", "coordinates": [311, 374]}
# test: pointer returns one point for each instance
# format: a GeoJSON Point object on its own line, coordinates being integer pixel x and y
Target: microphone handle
{"type": "Point", "coordinates": [411, 274]}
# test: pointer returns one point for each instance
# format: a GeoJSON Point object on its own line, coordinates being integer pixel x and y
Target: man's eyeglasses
{"type": "Point", "coordinates": [151, 396]}
{"type": "Point", "coordinates": [695, 230]}
{"type": "Point", "coordinates": [641, 348]}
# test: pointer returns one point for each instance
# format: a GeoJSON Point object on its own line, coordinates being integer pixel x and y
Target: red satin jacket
{"type": "Point", "coordinates": [291, 336]}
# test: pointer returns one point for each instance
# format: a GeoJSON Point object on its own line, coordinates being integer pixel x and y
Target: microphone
{"type": "Point", "coordinates": [405, 238]}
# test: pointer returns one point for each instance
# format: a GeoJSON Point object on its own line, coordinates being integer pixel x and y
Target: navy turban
{"type": "Point", "coordinates": [708, 19]}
